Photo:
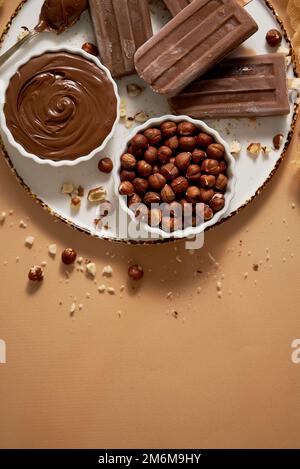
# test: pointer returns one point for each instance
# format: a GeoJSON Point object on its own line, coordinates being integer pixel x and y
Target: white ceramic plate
{"type": "Point", "coordinates": [44, 182]}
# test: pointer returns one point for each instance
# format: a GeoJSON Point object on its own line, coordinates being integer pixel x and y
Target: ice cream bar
{"type": "Point", "coordinates": [239, 87]}
{"type": "Point", "coordinates": [121, 27]}
{"type": "Point", "coordinates": [200, 36]}
{"type": "Point", "coordinates": [175, 6]}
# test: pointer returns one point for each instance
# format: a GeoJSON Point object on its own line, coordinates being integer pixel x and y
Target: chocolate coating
{"type": "Point", "coordinates": [60, 106]}
{"type": "Point", "coordinates": [59, 15]}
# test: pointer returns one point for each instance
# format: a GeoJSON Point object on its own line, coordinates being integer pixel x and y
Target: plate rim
{"type": "Point", "coordinates": [76, 227]}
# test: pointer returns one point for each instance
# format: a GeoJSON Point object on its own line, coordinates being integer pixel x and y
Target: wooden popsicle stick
{"type": "Point", "coordinates": [243, 3]}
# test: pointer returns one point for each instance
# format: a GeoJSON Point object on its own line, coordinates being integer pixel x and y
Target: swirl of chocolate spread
{"type": "Point", "coordinates": [59, 15]}
{"type": "Point", "coordinates": [60, 106]}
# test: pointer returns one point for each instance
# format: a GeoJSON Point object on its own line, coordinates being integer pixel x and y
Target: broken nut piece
{"type": "Point", "coordinates": [67, 188]}
{"type": "Point", "coordinates": [133, 89]}
{"type": "Point", "coordinates": [254, 149]}
{"type": "Point", "coordinates": [235, 147]}
{"type": "Point", "coordinates": [97, 195]}
{"type": "Point", "coordinates": [91, 269]}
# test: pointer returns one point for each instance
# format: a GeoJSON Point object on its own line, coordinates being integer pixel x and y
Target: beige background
{"type": "Point", "coordinates": [218, 375]}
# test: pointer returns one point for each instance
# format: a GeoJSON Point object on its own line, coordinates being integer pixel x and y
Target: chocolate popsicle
{"type": "Point", "coordinates": [195, 40]}
{"type": "Point", "coordinates": [239, 87]}
{"type": "Point", "coordinates": [121, 27]}
{"type": "Point", "coordinates": [175, 6]}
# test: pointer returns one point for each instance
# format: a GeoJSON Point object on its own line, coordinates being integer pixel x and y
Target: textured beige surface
{"type": "Point", "coordinates": [218, 375]}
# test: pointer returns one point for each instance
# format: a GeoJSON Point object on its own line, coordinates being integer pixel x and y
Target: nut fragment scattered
{"type": "Point", "coordinates": [90, 48]}
{"type": "Point", "coordinates": [24, 30]}
{"type": "Point", "coordinates": [133, 89]}
{"type": "Point", "coordinates": [52, 249]}
{"type": "Point", "coordinates": [2, 217]}
{"type": "Point", "coordinates": [68, 256]}
{"type": "Point", "coordinates": [67, 188]}
{"type": "Point", "coordinates": [136, 272]}
{"type": "Point", "coordinates": [97, 195]}
{"type": "Point", "coordinates": [22, 224]}
{"type": "Point", "coordinates": [91, 269]}
{"type": "Point", "coordinates": [235, 147]}
{"type": "Point", "coordinates": [29, 241]}
{"type": "Point", "coordinates": [107, 271]}
{"type": "Point", "coordinates": [141, 117]}
{"type": "Point", "coordinates": [254, 149]}
{"type": "Point", "coordinates": [277, 141]}
{"type": "Point", "coordinates": [36, 273]}
{"type": "Point", "coordinates": [274, 38]}
{"type": "Point", "coordinates": [75, 202]}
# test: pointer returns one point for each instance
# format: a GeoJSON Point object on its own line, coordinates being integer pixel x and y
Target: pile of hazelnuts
{"type": "Point", "coordinates": [180, 169]}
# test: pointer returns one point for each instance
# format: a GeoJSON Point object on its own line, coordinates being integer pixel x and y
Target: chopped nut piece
{"type": "Point", "coordinates": [97, 195]}
{"type": "Point", "coordinates": [29, 241]}
{"type": "Point", "coordinates": [75, 203]}
{"type": "Point", "coordinates": [91, 269]}
{"type": "Point", "coordinates": [141, 117]}
{"type": "Point", "coordinates": [24, 31]}
{"type": "Point", "coordinates": [80, 191]}
{"type": "Point", "coordinates": [266, 150]}
{"type": "Point", "coordinates": [67, 188]}
{"type": "Point", "coordinates": [101, 288]}
{"type": "Point", "coordinates": [43, 264]}
{"type": "Point", "coordinates": [169, 295]}
{"type": "Point", "coordinates": [107, 271]}
{"type": "Point", "coordinates": [255, 267]}
{"type": "Point", "coordinates": [111, 291]}
{"type": "Point", "coordinates": [36, 273]}
{"type": "Point", "coordinates": [72, 309]}
{"type": "Point", "coordinates": [254, 149]}
{"type": "Point", "coordinates": [2, 217]}
{"type": "Point", "coordinates": [22, 224]}
{"type": "Point", "coordinates": [277, 141]}
{"type": "Point", "coordinates": [123, 108]}
{"type": "Point", "coordinates": [129, 122]}
{"type": "Point", "coordinates": [52, 249]}
{"type": "Point", "coordinates": [133, 89]}
{"type": "Point", "coordinates": [235, 147]}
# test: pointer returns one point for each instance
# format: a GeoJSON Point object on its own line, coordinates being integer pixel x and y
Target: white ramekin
{"type": "Point", "coordinates": [190, 231]}
{"type": "Point", "coordinates": [44, 161]}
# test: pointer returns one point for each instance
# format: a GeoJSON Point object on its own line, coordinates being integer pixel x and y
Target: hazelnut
{"type": "Point", "coordinates": [154, 217]}
{"type": "Point", "coordinates": [187, 143]}
{"type": "Point", "coordinates": [207, 180]}
{"type": "Point", "coordinates": [206, 195]}
{"type": "Point", "coordinates": [128, 161]}
{"type": "Point", "coordinates": [137, 153]}
{"type": "Point", "coordinates": [134, 200]}
{"type": "Point", "coordinates": [151, 198]}
{"type": "Point", "coordinates": [139, 142]}
{"type": "Point", "coordinates": [169, 171]}
{"type": "Point", "coordinates": [164, 154]}
{"type": "Point", "coordinates": [68, 256]}
{"type": "Point", "coordinates": [168, 129]}
{"type": "Point", "coordinates": [90, 48]}
{"type": "Point", "coordinates": [169, 224]}
{"type": "Point", "coordinates": [210, 166]}
{"type": "Point", "coordinates": [140, 185]}
{"type": "Point", "coordinates": [221, 182]}
{"type": "Point", "coordinates": [144, 169]}
{"type": "Point", "coordinates": [150, 155]}
{"type": "Point", "coordinates": [215, 151]}
{"type": "Point", "coordinates": [172, 143]}
{"type": "Point", "coordinates": [193, 194]}
{"type": "Point", "coordinates": [36, 274]}
{"type": "Point", "coordinates": [183, 160]}
{"type": "Point", "coordinates": [167, 194]}
{"type": "Point", "coordinates": [186, 129]}
{"type": "Point", "coordinates": [274, 38]}
{"type": "Point", "coordinates": [204, 140]}
{"type": "Point", "coordinates": [179, 185]}
{"type": "Point", "coordinates": [223, 166]}
{"type": "Point", "coordinates": [277, 141]}
{"type": "Point", "coordinates": [217, 202]}
{"type": "Point", "coordinates": [153, 136]}
{"type": "Point", "coordinates": [127, 175]}
{"type": "Point", "coordinates": [207, 212]}
{"type": "Point", "coordinates": [126, 188]}
{"type": "Point", "coordinates": [105, 165]}
{"type": "Point", "coordinates": [198, 155]}
{"type": "Point", "coordinates": [135, 272]}
{"type": "Point", "coordinates": [193, 173]}
{"type": "Point", "coordinates": [157, 181]}
{"type": "Point", "coordinates": [173, 209]}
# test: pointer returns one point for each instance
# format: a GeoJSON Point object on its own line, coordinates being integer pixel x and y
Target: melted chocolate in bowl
{"type": "Point", "coordinates": [60, 106]}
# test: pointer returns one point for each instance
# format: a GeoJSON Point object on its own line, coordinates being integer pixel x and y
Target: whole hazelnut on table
{"type": "Point", "coordinates": [167, 194]}
{"type": "Point", "coordinates": [157, 181]}
{"type": "Point", "coordinates": [139, 142]}
{"type": "Point", "coordinates": [128, 161]}
{"type": "Point", "coordinates": [168, 129]}
{"type": "Point", "coordinates": [215, 151]}
{"type": "Point", "coordinates": [183, 160]}
{"type": "Point", "coordinates": [126, 175]}
{"type": "Point", "coordinates": [126, 188]}
{"type": "Point", "coordinates": [204, 140]}
{"type": "Point", "coordinates": [179, 185]}
{"type": "Point", "coordinates": [154, 217]}
{"type": "Point", "coordinates": [274, 38]}
{"type": "Point", "coordinates": [187, 143]}
{"type": "Point", "coordinates": [151, 198]}
{"type": "Point", "coordinates": [198, 155]}
{"type": "Point", "coordinates": [36, 273]}
{"type": "Point", "coordinates": [221, 182]}
{"type": "Point", "coordinates": [169, 171]}
{"type": "Point", "coordinates": [206, 195]}
{"type": "Point", "coordinates": [136, 272]}
{"type": "Point", "coordinates": [143, 168]}
{"type": "Point", "coordinates": [186, 129]}
{"type": "Point", "coordinates": [207, 180]}
{"type": "Point", "coordinates": [210, 166]}
{"type": "Point", "coordinates": [164, 154]}
{"type": "Point", "coordinates": [193, 173]}
{"type": "Point", "coordinates": [134, 199]}
{"type": "Point", "coordinates": [68, 256]}
{"type": "Point", "coordinates": [140, 185]}
{"type": "Point", "coordinates": [193, 194]}
{"type": "Point", "coordinates": [217, 202]}
{"type": "Point", "coordinates": [153, 136]}
{"type": "Point", "coordinates": [105, 165]}
{"type": "Point", "coordinates": [90, 48]}
{"type": "Point", "coordinates": [150, 155]}
{"type": "Point", "coordinates": [173, 143]}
